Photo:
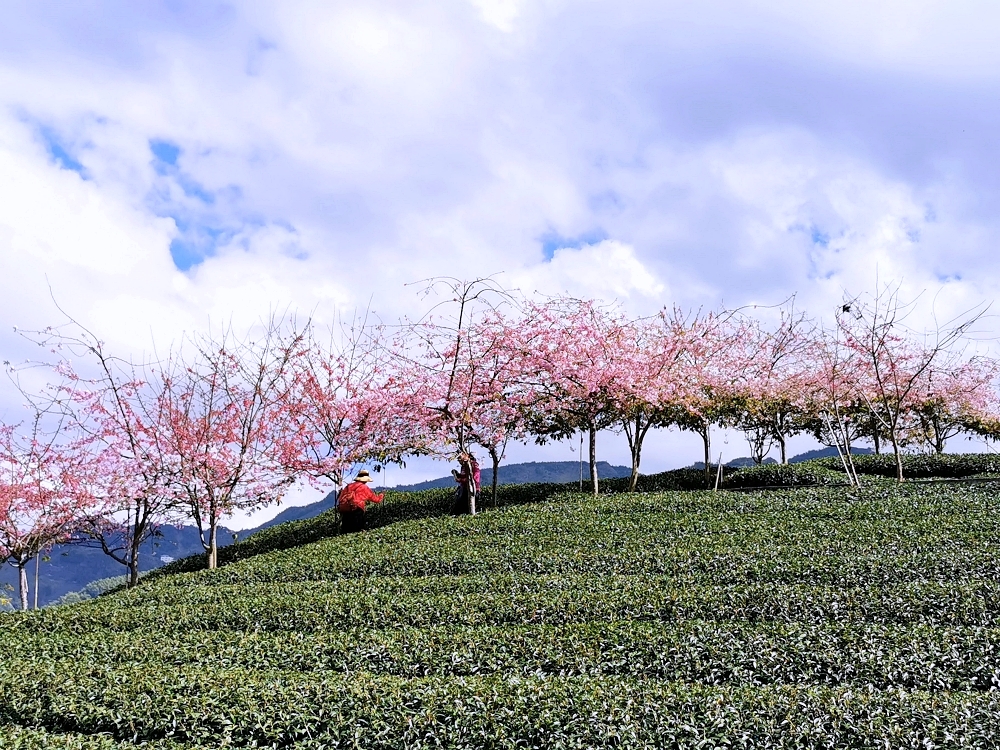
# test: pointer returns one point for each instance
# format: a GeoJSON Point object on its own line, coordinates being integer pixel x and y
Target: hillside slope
{"type": "Point", "coordinates": [802, 618]}
{"type": "Point", "coordinates": [70, 568]}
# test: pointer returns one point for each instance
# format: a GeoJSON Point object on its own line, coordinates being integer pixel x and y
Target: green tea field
{"type": "Point", "coordinates": [811, 617]}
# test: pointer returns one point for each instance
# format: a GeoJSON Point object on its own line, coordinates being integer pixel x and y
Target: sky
{"type": "Point", "coordinates": [166, 166]}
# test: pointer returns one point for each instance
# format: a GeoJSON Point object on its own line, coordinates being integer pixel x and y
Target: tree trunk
{"type": "Point", "coordinates": [22, 582]}
{"type": "Point", "coordinates": [634, 480]}
{"type": "Point", "coordinates": [138, 533]}
{"type": "Point", "coordinates": [938, 436]}
{"type": "Point", "coordinates": [877, 442]}
{"type": "Point", "coordinates": [496, 471]}
{"type": "Point", "coordinates": [897, 454]}
{"type": "Point", "coordinates": [213, 545]}
{"type": "Point", "coordinates": [706, 438]}
{"type": "Point", "coordinates": [38, 563]}
{"type": "Point", "coordinates": [133, 563]}
{"type": "Point", "coordinates": [636, 428]}
{"type": "Point", "coordinates": [593, 458]}
{"type": "Point", "coordinates": [781, 444]}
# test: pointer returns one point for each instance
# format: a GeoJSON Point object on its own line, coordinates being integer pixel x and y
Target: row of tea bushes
{"type": "Point", "coordinates": [253, 708]}
{"type": "Point", "coordinates": [920, 465]}
{"type": "Point", "coordinates": [398, 507]}
{"type": "Point", "coordinates": [426, 603]}
{"type": "Point", "coordinates": [806, 474]}
{"type": "Point", "coordinates": [412, 506]}
{"type": "Point", "coordinates": [809, 617]}
{"type": "Point", "coordinates": [404, 506]}
{"type": "Point", "coordinates": [408, 506]}
{"type": "Point", "coordinates": [693, 651]}
{"type": "Point", "coordinates": [823, 536]}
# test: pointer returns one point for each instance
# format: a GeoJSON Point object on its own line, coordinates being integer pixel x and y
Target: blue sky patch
{"type": "Point", "coordinates": [165, 151]}
{"type": "Point", "coordinates": [59, 153]}
{"type": "Point", "coordinates": [197, 242]}
{"type": "Point", "coordinates": [194, 190]}
{"type": "Point", "coordinates": [184, 254]}
{"type": "Point", "coordinates": [552, 241]}
{"type": "Point", "coordinates": [194, 208]}
{"type": "Point", "coordinates": [819, 237]}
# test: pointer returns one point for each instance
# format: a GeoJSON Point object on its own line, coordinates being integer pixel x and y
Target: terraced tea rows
{"type": "Point", "coordinates": [803, 618]}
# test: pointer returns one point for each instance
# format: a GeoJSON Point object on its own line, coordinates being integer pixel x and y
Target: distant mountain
{"type": "Point", "coordinates": [543, 471]}
{"type": "Point", "coordinates": [296, 513]}
{"type": "Point", "coordinates": [826, 453]}
{"type": "Point", "coordinates": [736, 463]}
{"type": "Point", "coordinates": [71, 567]}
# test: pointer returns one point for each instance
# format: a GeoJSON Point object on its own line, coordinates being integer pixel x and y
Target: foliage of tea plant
{"type": "Point", "coordinates": [809, 617]}
{"type": "Point", "coordinates": [921, 465]}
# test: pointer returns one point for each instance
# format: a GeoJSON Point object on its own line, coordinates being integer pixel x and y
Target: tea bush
{"type": "Point", "coordinates": [919, 465]}
{"type": "Point", "coordinates": [783, 475]}
{"type": "Point", "coordinates": [821, 616]}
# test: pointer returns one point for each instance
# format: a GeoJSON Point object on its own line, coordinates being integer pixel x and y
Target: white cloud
{"type": "Point", "coordinates": [500, 13]}
{"type": "Point", "coordinates": [607, 270]}
{"type": "Point", "coordinates": [331, 153]}
{"type": "Point", "coordinates": [59, 230]}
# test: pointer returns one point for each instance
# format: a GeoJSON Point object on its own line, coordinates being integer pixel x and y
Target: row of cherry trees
{"type": "Point", "coordinates": [549, 369]}
{"type": "Point", "coordinates": [220, 423]}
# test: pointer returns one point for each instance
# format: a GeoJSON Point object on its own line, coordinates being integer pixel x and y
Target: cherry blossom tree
{"type": "Point", "coordinates": [493, 392]}
{"type": "Point", "coordinates": [351, 402]}
{"type": "Point", "coordinates": [769, 403]}
{"type": "Point", "coordinates": [655, 379]}
{"type": "Point", "coordinates": [113, 406]}
{"type": "Point", "coordinates": [464, 366]}
{"type": "Point", "coordinates": [40, 495]}
{"type": "Point", "coordinates": [955, 396]}
{"type": "Point", "coordinates": [229, 421]}
{"type": "Point", "coordinates": [571, 353]}
{"type": "Point", "coordinates": [709, 362]}
{"type": "Point", "coordinates": [897, 358]}
{"type": "Point", "coordinates": [836, 373]}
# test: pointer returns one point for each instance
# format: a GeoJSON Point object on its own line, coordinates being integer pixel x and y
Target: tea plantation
{"type": "Point", "coordinates": [807, 617]}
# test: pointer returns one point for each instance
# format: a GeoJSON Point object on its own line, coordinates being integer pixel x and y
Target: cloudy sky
{"type": "Point", "coordinates": [167, 164]}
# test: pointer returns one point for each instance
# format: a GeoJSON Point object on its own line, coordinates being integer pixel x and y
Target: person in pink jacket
{"type": "Point", "coordinates": [468, 485]}
{"type": "Point", "coordinates": [352, 501]}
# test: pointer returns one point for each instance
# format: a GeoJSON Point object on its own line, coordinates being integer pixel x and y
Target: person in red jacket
{"type": "Point", "coordinates": [351, 502]}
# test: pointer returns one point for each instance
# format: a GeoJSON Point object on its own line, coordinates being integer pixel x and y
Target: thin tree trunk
{"type": "Point", "coordinates": [213, 544]}
{"type": "Point", "coordinates": [133, 552]}
{"type": "Point", "coordinates": [38, 563]}
{"type": "Point", "coordinates": [877, 442]}
{"type": "Point", "coordinates": [897, 454]}
{"type": "Point", "coordinates": [635, 446]}
{"type": "Point", "coordinates": [781, 444]}
{"type": "Point", "coordinates": [496, 471]}
{"type": "Point", "coordinates": [133, 563]}
{"type": "Point", "coordinates": [593, 458]}
{"type": "Point", "coordinates": [938, 439]}
{"type": "Point", "coordinates": [634, 480]}
{"type": "Point", "coordinates": [22, 582]}
{"type": "Point", "coordinates": [707, 440]}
